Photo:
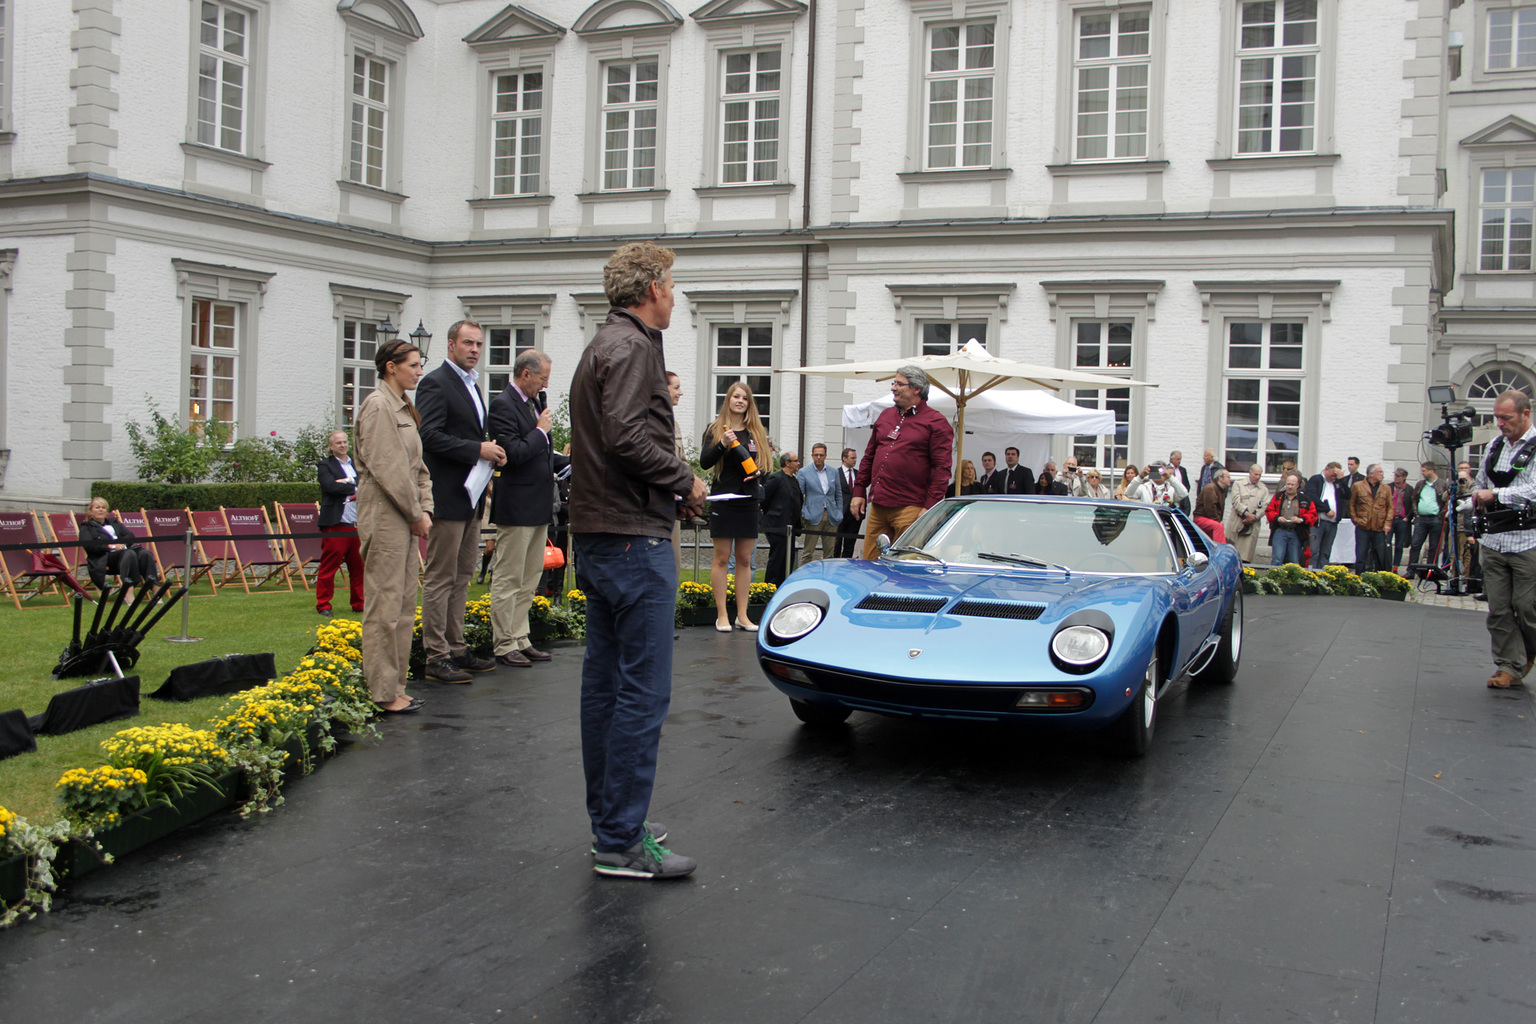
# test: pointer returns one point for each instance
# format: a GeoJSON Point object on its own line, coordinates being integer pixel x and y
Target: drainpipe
{"type": "Point", "coordinates": [805, 218]}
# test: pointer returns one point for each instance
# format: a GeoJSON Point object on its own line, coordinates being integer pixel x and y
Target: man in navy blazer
{"type": "Point", "coordinates": [453, 440]}
{"type": "Point", "coordinates": [1330, 496]}
{"type": "Point", "coordinates": [1014, 478]}
{"type": "Point", "coordinates": [338, 514]}
{"type": "Point", "coordinates": [522, 505]}
{"type": "Point", "coordinates": [822, 500]}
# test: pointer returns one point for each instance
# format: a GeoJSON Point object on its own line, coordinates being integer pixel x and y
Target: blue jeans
{"type": "Point", "coordinates": [1322, 541]}
{"type": "Point", "coordinates": [1402, 533]}
{"type": "Point", "coordinates": [1286, 546]}
{"type": "Point", "coordinates": [626, 679]}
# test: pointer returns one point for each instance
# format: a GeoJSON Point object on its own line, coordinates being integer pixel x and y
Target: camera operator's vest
{"type": "Point", "coordinates": [1503, 478]}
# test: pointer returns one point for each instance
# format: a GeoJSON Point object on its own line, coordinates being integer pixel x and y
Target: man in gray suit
{"type": "Point", "coordinates": [822, 509]}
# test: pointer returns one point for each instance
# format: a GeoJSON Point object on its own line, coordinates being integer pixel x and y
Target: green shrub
{"type": "Point", "coordinates": [166, 451]}
{"type": "Point", "coordinates": [123, 494]}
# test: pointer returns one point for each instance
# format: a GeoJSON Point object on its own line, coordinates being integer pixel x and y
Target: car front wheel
{"type": "Point", "coordinates": [1136, 723]}
{"type": "Point", "coordinates": [1222, 668]}
{"type": "Point", "coordinates": [820, 716]}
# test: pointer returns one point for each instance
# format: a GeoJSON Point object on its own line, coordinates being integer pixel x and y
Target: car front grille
{"type": "Point", "coordinates": [999, 610]}
{"type": "Point", "coordinates": [901, 603]}
{"type": "Point", "coordinates": [947, 696]}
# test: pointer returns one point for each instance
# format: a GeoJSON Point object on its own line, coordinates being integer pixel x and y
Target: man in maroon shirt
{"type": "Point", "coordinates": [906, 465]}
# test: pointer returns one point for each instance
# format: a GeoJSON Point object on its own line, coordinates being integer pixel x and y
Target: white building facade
{"type": "Point", "coordinates": [213, 204]}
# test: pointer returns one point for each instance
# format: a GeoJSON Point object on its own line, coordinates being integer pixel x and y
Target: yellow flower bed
{"type": "Point", "coordinates": [176, 744]}
{"type": "Point", "coordinates": [7, 822]}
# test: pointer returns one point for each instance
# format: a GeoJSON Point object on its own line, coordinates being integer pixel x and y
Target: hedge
{"type": "Point", "coordinates": [123, 494]}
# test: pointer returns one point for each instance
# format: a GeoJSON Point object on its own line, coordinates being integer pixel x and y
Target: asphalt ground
{"type": "Point", "coordinates": [1346, 834]}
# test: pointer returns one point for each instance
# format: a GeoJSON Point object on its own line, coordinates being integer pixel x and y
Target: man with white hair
{"type": "Point", "coordinates": [906, 465]}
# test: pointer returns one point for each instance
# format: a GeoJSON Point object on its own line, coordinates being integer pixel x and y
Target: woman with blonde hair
{"type": "Point", "coordinates": [735, 436]}
{"type": "Point", "coordinates": [969, 484]}
{"type": "Point", "coordinates": [1094, 485]}
{"type": "Point", "coordinates": [394, 509]}
{"type": "Point", "coordinates": [1129, 481]}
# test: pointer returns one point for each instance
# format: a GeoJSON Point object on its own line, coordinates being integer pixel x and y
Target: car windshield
{"type": "Point", "coordinates": [1079, 536]}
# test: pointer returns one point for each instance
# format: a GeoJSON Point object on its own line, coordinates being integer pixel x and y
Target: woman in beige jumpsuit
{"type": "Point", "coordinates": [394, 508]}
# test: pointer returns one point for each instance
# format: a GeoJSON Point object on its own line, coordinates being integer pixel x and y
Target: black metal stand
{"type": "Point", "coordinates": [114, 642]}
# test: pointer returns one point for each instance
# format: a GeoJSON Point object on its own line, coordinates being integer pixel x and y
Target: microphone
{"type": "Point", "coordinates": [541, 401]}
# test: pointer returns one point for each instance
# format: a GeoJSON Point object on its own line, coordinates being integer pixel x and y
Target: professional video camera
{"type": "Point", "coordinates": [1455, 430]}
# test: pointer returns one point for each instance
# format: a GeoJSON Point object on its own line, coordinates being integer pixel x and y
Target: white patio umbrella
{"type": "Point", "coordinates": [970, 371]}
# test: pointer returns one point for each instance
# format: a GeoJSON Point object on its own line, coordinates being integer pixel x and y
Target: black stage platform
{"type": "Point", "coordinates": [1347, 834]}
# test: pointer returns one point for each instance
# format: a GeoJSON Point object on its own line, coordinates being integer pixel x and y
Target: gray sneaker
{"type": "Point", "coordinates": [654, 829]}
{"type": "Point", "coordinates": [646, 859]}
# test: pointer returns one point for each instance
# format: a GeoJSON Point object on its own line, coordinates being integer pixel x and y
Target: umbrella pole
{"type": "Point", "coordinates": [959, 439]}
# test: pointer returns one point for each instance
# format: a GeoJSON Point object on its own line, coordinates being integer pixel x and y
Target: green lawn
{"type": "Point", "coordinates": [231, 623]}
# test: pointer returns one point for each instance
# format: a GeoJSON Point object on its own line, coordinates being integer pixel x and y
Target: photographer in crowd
{"type": "Point", "coordinates": [1505, 482]}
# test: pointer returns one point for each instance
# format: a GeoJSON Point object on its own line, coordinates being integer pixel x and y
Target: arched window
{"type": "Point", "coordinates": [1485, 389]}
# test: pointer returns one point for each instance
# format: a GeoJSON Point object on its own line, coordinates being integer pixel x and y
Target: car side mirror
{"type": "Point", "coordinates": [884, 541]}
{"type": "Point", "coordinates": [1198, 560]}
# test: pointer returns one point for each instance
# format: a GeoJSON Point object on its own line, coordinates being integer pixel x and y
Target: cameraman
{"type": "Point", "coordinates": [1506, 479]}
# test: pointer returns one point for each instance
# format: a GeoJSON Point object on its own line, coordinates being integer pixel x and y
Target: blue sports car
{"type": "Point", "coordinates": [1009, 608]}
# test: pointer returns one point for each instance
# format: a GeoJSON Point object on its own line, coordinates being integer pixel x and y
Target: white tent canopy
{"type": "Point", "coordinates": [993, 421]}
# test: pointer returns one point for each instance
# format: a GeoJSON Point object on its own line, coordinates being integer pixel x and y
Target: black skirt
{"type": "Point", "coordinates": [733, 519]}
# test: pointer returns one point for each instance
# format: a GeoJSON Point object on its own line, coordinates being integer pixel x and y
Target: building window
{"type": "Point", "coordinates": [370, 119]}
{"type": "Point", "coordinates": [5, 68]}
{"type": "Point", "coordinates": [630, 110]}
{"type": "Point", "coordinates": [220, 316]}
{"type": "Point", "coordinates": [1262, 416]}
{"type": "Point", "coordinates": [1512, 39]}
{"type": "Point", "coordinates": [1104, 346]}
{"type": "Point", "coordinates": [959, 83]}
{"type": "Point", "coordinates": [1508, 208]}
{"type": "Point", "coordinates": [1277, 60]}
{"type": "Point", "coordinates": [359, 344]}
{"type": "Point", "coordinates": [749, 117]}
{"type": "Point", "coordinates": [223, 66]}
{"type": "Point", "coordinates": [517, 125]}
{"type": "Point", "coordinates": [503, 346]}
{"type": "Point", "coordinates": [1113, 66]}
{"type": "Point", "coordinates": [744, 352]}
{"type": "Point", "coordinates": [212, 380]}
{"type": "Point", "coordinates": [1484, 391]}
{"type": "Point", "coordinates": [942, 339]}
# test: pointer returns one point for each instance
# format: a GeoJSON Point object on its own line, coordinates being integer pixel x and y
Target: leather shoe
{"type": "Point", "coordinates": [513, 658]}
{"type": "Point", "coordinates": [324, 611]}
{"type": "Point", "coordinates": [445, 671]}
{"type": "Point", "coordinates": [534, 654]}
{"type": "Point", "coordinates": [1502, 681]}
{"type": "Point", "coordinates": [471, 662]}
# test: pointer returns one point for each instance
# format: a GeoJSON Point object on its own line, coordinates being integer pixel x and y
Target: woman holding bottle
{"type": "Point", "coordinates": [734, 445]}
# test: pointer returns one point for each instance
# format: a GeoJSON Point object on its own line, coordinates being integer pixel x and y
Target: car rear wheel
{"type": "Point", "coordinates": [1136, 724]}
{"type": "Point", "coordinates": [820, 716]}
{"type": "Point", "coordinates": [1229, 653]}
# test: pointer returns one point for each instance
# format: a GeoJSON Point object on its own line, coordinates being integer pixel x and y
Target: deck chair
{"type": "Point", "coordinates": [65, 528]}
{"type": "Point", "coordinates": [301, 517]}
{"type": "Point", "coordinates": [20, 579]}
{"type": "Point", "coordinates": [214, 546]}
{"type": "Point", "coordinates": [258, 560]}
{"type": "Point", "coordinates": [168, 527]}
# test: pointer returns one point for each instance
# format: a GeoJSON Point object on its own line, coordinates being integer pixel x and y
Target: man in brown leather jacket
{"type": "Point", "coordinates": [627, 487]}
{"type": "Point", "coordinates": [1370, 506]}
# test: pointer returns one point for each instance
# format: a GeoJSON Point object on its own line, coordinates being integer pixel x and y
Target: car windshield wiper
{"type": "Point", "coordinates": [1017, 559]}
{"type": "Point", "coordinates": [907, 548]}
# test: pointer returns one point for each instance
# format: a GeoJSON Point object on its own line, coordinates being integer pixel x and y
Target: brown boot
{"type": "Point", "coordinates": [1502, 681]}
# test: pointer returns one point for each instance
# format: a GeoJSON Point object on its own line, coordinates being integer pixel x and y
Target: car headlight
{"type": "Point", "coordinates": [794, 620]}
{"type": "Point", "coordinates": [1080, 646]}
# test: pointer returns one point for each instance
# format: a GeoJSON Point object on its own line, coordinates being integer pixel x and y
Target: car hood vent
{"type": "Point", "coordinates": [901, 603]}
{"type": "Point", "coordinates": [999, 610]}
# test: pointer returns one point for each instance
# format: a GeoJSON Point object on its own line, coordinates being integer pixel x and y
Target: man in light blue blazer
{"type": "Point", "coordinates": [822, 509]}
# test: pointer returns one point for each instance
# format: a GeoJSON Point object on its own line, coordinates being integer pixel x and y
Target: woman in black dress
{"type": "Point", "coordinates": [969, 484]}
{"type": "Point", "coordinates": [110, 548]}
{"type": "Point", "coordinates": [736, 434]}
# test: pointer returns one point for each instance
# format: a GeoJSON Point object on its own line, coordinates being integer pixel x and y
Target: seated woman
{"type": "Point", "coordinates": [110, 549]}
